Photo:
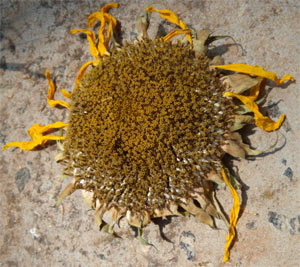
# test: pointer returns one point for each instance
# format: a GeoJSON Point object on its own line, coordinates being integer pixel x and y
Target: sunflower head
{"type": "Point", "coordinates": [155, 118]}
{"type": "Point", "coordinates": [150, 122]}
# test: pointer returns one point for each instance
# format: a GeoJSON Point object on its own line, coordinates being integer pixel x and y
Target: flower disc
{"type": "Point", "coordinates": [146, 125]}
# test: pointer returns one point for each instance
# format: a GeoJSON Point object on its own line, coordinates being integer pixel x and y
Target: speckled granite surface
{"type": "Point", "coordinates": [35, 36]}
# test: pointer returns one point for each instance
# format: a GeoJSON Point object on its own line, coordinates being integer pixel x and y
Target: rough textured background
{"type": "Point", "coordinates": [35, 35]}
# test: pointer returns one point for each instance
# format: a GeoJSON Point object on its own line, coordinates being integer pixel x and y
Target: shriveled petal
{"type": "Point", "coordinates": [203, 217]}
{"type": "Point", "coordinates": [92, 39]}
{"type": "Point", "coordinates": [87, 197]}
{"type": "Point", "coordinates": [199, 45]}
{"type": "Point", "coordinates": [142, 26]}
{"type": "Point", "coordinates": [97, 15]}
{"type": "Point", "coordinates": [238, 83]}
{"type": "Point", "coordinates": [93, 18]}
{"type": "Point", "coordinates": [234, 214]}
{"type": "Point", "coordinates": [240, 121]}
{"type": "Point", "coordinates": [99, 212]}
{"type": "Point", "coordinates": [190, 207]}
{"type": "Point", "coordinates": [82, 71]}
{"type": "Point", "coordinates": [261, 121]}
{"type": "Point", "coordinates": [233, 149]}
{"type": "Point", "coordinates": [104, 18]}
{"type": "Point", "coordinates": [68, 190]}
{"type": "Point", "coordinates": [65, 93]}
{"type": "Point", "coordinates": [217, 60]}
{"type": "Point", "coordinates": [52, 103]}
{"type": "Point", "coordinates": [255, 70]}
{"type": "Point", "coordinates": [111, 18]}
{"type": "Point", "coordinates": [254, 91]}
{"type": "Point", "coordinates": [172, 17]}
{"type": "Point", "coordinates": [175, 33]}
{"type": "Point", "coordinates": [36, 133]}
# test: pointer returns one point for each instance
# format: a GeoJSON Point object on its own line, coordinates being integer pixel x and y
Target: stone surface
{"type": "Point", "coordinates": [22, 178]}
{"type": "Point", "coordinates": [35, 36]}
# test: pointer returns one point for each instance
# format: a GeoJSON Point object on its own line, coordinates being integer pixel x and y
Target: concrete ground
{"type": "Point", "coordinates": [35, 36]}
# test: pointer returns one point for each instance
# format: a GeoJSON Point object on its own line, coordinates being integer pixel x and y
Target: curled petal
{"type": "Point", "coordinates": [82, 71]}
{"type": "Point", "coordinates": [104, 18]}
{"type": "Point", "coordinates": [175, 33]}
{"type": "Point", "coordinates": [111, 18]}
{"type": "Point", "coordinates": [97, 16]}
{"type": "Point", "coordinates": [234, 214]}
{"type": "Point", "coordinates": [92, 39]}
{"type": "Point", "coordinates": [256, 71]}
{"type": "Point", "coordinates": [261, 121]}
{"type": "Point", "coordinates": [172, 17]}
{"type": "Point", "coordinates": [36, 133]}
{"type": "Point", "coordinates": [51, 102]}
{"type": "Point", "coordinates": [68, 190]}
{"type": "Point", "coordinates": [65, 93]}
{"type": "Point", "coordinates": [93, 18]}
{"type": "Point", "coordinates": [109, 6]}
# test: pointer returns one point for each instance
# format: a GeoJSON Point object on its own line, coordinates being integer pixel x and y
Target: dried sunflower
{"type": "Point", "coordinates": [150, 123]}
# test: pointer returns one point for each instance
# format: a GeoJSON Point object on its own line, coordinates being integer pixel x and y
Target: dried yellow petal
{"type": "Point", "coordinates": [111, 18]}
{"type": "Point", "coordinates": [104, 18]}
{"type": "Point", "coordinates": [97, 15]}
{"type": "Point", "coordinates": [92, 39]}
{"type": "Point", "coordinates": [254, 91]}
{"type": "Point", "coordinates": [65, 93]}
{"type": "Point", "coordinates": [175, 33]}
{"type": "Point", "coordinates": [261, 121]}
{"type": "Point", "coordinates": [172, 17]}
{"type": "Point", "coordinates": [234, 214]}
{"type": "Point", "coordinates": [36, 132]}
{"type": "Point", "coordinates": [255, 70]}
{"type": "Point", "coordinates": [82, 71]}
{"type": "Point", "coordinates": [52, 103]}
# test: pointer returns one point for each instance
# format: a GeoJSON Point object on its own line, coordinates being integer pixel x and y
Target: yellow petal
{"type": "Point", "coordinates": [234, 214]}
{"type": "Point", "coordinates": [172, 17]}
{"type": "Point", "coordinates": [104, 18]}
{"type": "Point", "coordinates": [93, 18]}
{"type": "Point", "coordinates": [82, 71]}
{"type": "Point", "coordinates": [255, 70]}
{"type": "Point", "coordinates": [261, 121]}
{"type": "Point", "coordinates": [52, 103]}
{"type": "Point", "coordinates": [97, 16]}
{"type": "Point", "coordinates": [65, 93]}
{"type": "Point", "coordinates": [92, 39]}
{"type": "Point", "coordinates": [175, 33]}
{"type": "Point", "coordinates": [109, 6]}
{"type": "Point", "coordinates": [36, 132]}
{"type": "Point", "coordinates": [254, 91]}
